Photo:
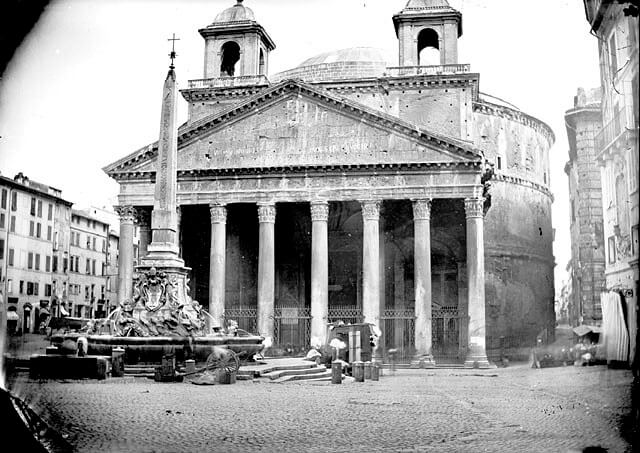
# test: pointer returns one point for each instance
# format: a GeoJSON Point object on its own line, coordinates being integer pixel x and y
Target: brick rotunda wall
{"type": "Point", "coordinates": [519, 258]}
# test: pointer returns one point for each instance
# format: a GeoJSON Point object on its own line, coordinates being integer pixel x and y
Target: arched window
{"type": "Point", "coordinates": [428, 48]}
{"type": "Point", "coordinates": [230, 54]}
{"type": "Point", "coordinates": [261, 69]}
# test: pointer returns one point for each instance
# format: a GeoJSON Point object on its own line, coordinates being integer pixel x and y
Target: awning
{"type": "Point", "coordinates": [616, 337]}
{"type": "Point", "coordinates": [584, 329]}
{"type": "Point", "coordinates": [12, 316]}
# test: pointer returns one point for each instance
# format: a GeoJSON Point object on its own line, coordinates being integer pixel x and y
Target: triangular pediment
{"type": "Point", "coordinates": [295, 124]}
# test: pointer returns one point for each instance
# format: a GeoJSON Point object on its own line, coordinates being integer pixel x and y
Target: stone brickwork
{"type": "Point", "coordinates": [585, 195]}
{"type": "Point", "coordinates": [519, 261]}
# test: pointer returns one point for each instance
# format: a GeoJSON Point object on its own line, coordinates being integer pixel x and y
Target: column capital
{"type": "Point", "coordinates": [218, 213]}
{"type": "Point", "coordinates": [127, 213]}
{"type": "Point", "coordinates": [266, 212]}
{"type": "Point", "coordinates": [319, 211]}
{"type": "Point", "coordinates": [474, 207]}
{"type": "Point", "coordinates": [422, 209]}
{"type": "Point", "coordinates": [370, 209]}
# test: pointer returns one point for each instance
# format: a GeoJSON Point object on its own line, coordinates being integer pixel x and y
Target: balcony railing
{"type": "Point", "coordinates": [622, 122]}
{"type": "Point", "coordinates": [229, 82]}
{"type": "Point", "coordinates": [400, 71]}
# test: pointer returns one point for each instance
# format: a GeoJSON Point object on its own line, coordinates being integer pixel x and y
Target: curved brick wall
{"type": "Point", "coordinates": [519, 258]}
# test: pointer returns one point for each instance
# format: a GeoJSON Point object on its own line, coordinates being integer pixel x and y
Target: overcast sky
{"type": "Point", "coordinates": [84, 88]}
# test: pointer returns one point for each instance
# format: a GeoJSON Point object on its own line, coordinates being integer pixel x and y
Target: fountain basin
{"type": "Point", "coordinates": [151, 349]}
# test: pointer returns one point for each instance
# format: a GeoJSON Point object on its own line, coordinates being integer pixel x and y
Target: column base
{"type": "Point", "coordinates": [423, 361]}
{"type": "Point", "coordinates": [478, 361]}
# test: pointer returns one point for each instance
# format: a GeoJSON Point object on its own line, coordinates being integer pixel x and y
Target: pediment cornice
{"type": "Point", "coordinates": [288, 88]}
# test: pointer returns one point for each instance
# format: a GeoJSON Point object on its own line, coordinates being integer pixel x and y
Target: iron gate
{"type": "Point", "coordinates": [292, 329]}
{"type": "Point", "coordinates": [346, 314]}
{"type": "Point", "coordinates": [446, 327]}
{"type": "Point", "coordinates": [246, 317]}
{"type": "Point", "coordinates": [398, 332]}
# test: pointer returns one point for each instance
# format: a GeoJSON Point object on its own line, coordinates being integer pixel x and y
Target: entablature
{"type": "Point", "coordinates": [332, 183]}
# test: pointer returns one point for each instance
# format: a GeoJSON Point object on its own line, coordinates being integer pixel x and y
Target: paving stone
{"type": "Point", "coordinates": [505, 410]}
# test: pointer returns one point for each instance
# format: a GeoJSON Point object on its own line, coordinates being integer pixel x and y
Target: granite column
{"type": "Point", "coordinates": [477, 354]}
{"type": "Point", "coordinates": [422, 282]}
{"type": "Point", "coordinates": [217, 262]}
{"type": "Point", "coordinates": [319, 271]}
{"type": "Point", "coordinates": [125, 252]}
{"type": "Point", "coordinates": [371, 262]}
{"type": "Point", "coordinates": [266, 270]}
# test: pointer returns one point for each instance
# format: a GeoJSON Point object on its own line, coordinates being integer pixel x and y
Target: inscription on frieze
{"type": "Point", "coordinates": [303, 131]}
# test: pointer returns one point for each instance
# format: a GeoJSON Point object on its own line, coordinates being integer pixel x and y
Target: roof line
{"type": "Point", "coordinates": [292, 84]}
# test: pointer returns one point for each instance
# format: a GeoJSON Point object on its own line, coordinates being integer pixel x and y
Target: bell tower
{"type": "Point", "coordinates": [236, 45]}
{"type": "Point", "coordinates": [428, 32]}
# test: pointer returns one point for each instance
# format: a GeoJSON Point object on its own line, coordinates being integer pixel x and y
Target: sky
{"type": "Point", "coordinates": [84, 88]}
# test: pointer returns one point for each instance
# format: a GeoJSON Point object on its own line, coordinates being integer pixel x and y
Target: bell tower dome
{"type": "Point", "coordinates": [235, 44]}
{"type": "Point", "coordinates": [428, 32]}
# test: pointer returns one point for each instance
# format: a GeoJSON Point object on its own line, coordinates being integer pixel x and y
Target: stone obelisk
{"type": "Point", "coordinates": [162, 275]}
{"type": "Point", "coordinates": [163, 249]}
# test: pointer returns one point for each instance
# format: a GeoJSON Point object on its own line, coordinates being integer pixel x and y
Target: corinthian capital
{"type": "Point", "coordinates": [474, 207]}
{"type": "Point", "coordinates": [266, 213]}
{"type": "Point", "coordinates": [422, 209]}
{"type": "Point", "coordinates": [127, 213]}
{"type": "Point", "coordinates": [319, 211]}
{"type": "Point", "coordinates": [370, 210]}
{"type": "Point", "coordinates": [218, 213]}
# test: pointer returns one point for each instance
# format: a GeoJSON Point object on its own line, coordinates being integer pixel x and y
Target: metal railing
{"type": "Point", "coordinates": [246, 317]}
{"type": "Point", "coordinates": [229, 82]}
{"type": "Point", "coordinates": [398, 327]}
{"type": "Point", "coordinates": [292, 329]}
{"type": "Point", "coordinates": [400, 71]}
{"type": "Point", "coordinates": [623, 121]}
{"type": "Point", "coordinates": [346, 314]}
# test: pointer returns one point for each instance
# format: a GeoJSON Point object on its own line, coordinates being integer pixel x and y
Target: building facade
{"type": "Point", "coordinates": [617, 147]}
{"type": "Point", "coordinates": [584, 122]}
{"type": "Point", "coordinates": [31, 220]}
{"type": "Point", "coordinates": [88, 258]}
{"type": "Point", "coordinates": [347, 189]}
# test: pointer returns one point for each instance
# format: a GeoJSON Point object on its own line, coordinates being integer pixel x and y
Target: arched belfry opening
{"type": "Point", "coordinates": [428, 47]}
{"type": "Point", "coordinates": [428, 32]}
{"type": "Point", "coordinates": [229, 56]}
{"type": "Point", "coordinates": [236, 45]}
{"type": "Point", "coordinates": [261, 67]}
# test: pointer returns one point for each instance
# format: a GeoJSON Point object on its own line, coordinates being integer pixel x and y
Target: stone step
{"type": "Point", "coordinates": [325, 375]}
{"type": "Point", "coordinates": [295, 372]}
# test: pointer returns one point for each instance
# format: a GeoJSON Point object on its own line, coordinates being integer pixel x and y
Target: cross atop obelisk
{"type": "Point", "coordinates": [163, 250]}
{"type": "Point", "coordinates": [173, 53]}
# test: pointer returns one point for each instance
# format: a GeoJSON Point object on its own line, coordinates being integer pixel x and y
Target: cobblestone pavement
{"type": "Point", "coordinates": [516, 409]}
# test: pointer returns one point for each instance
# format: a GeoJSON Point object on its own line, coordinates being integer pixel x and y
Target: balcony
{"type": "Point", "coordinates": [445, 69]}
{"type": "Point", "coordinates": [621, 125]}
{"type": "Point", "coordinates": [229, 82]}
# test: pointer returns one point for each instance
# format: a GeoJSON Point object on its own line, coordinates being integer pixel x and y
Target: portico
{"type": "Point", "coordinates": [365, 190]}
{"type": "Point", "coordinates": [303, 237]}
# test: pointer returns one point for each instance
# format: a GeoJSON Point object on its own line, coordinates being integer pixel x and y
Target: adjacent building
{"type": "Point", "coordinates": [33, 218]}
{"type": "Point", "coordinates": [615, 24]}
{"type": "Point", "coordinates": [88, 265]}
{"type": "Point", "coordinates": [351, 189]}
{"type": "Point", "coordinates": [586, 269]}
{"type": "Point", "coordinates": [54, 260]}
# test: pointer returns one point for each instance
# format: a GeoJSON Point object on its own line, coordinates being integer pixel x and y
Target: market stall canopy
{"type": "Point", "coordinates": [584, 330]}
